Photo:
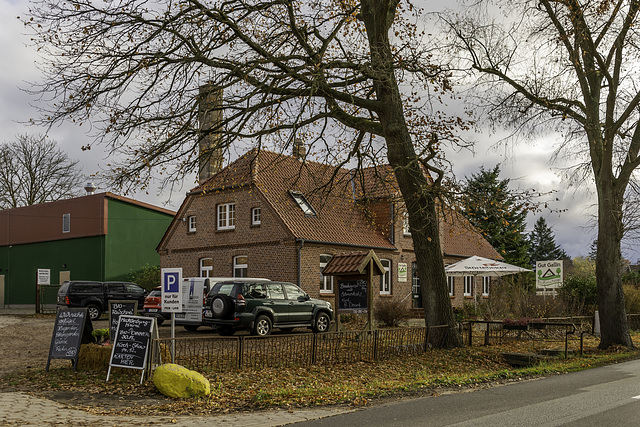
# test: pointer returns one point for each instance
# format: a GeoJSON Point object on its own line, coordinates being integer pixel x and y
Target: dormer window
{"type": "Point", "coordinates": [303, 204]}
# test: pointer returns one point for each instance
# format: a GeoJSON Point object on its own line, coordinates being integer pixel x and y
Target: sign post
{"type": "Point", "coordinates": [43, 278]}
{"type": "Point", "coordinates": [172, 299]}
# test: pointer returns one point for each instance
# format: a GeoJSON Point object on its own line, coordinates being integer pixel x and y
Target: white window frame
{"type": "Point", "coordinates": [206, 270]}
{"type": "Point", "coordinates": [256, 216]}
{"type": "Point", "coordinates": [385, 279]}
{"type": "Point", "coordinates": [66, 223]}
{"type": "Point", "coordinates": [226, 216]}
{"type": "Point", "coordinates": [326, 282]}
{"type": "Point", "coordinates": [468, 285]}
{"type": "Point", "coordinates": [303, 203]}
{"type": "Point", "coordinates": [486, 284]}
{"type": "Point", "coordinates": [240, 267]}
{"type": "Point", "coordinates": [451, 281]}
{"type": "Point", "coordinates": [191, 223]}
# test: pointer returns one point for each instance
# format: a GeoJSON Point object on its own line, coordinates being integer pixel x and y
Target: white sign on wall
{"type": "Point", "coordinates": [402, 272]}
{"type": "Point", "coordinates": [171, 279]}
{"type": "Point", "coordinates": [44, 276]}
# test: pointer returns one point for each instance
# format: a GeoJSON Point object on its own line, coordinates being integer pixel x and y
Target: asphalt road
{"type": "Point", "coordinates": [606, 396]}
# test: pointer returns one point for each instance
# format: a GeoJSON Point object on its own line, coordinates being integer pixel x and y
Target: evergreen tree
{"type": "Point", "coordinates": [496, 212]}
{"type": "Point", "coordinates": [542, 243]}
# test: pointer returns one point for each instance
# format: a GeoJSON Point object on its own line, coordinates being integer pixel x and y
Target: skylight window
{"type": "Point", "coordinates": [303, 203]}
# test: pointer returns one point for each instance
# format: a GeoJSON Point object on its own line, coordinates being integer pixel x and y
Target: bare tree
{"type": "Point", "coordinates": [328, 72]}
{"type": "Point", "coordinates": [568, 66]}
{"type": "Point", "coordinates": [34, 170]}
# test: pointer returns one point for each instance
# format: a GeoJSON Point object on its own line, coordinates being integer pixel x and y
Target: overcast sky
{"type": "Point", "coordinates": [527, 165]}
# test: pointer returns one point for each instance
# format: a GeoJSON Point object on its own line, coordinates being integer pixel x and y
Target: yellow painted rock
{"type": "Point", "coordinates": [176, 381]}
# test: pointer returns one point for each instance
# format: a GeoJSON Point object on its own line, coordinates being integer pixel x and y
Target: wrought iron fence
{"type": "Point", "coordinates": [221, 354]}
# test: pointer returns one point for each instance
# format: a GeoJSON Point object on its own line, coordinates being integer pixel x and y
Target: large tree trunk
{"type": "Point", "coordinates": [613, 319]}
{"type": "Point", "coordinates": [418, 194]}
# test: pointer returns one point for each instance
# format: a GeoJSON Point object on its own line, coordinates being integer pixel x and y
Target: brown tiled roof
{"type": "Point", "coordinates": [459, 238]}
{"type": "Point", "coordinates": [339, 219]}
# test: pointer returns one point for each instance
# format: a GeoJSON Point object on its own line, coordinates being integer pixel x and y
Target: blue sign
{"type": "Point", "coordinates": [171, 282]}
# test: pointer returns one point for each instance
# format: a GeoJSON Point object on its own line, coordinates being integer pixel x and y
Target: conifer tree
{"type": "Point", "coordinates": [496, 212]}
{"type": "Point", "coordinates": [542, 243]}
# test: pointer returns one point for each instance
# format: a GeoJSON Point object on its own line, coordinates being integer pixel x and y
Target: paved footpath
{"type": "Point", "coordinates": [21, 409]}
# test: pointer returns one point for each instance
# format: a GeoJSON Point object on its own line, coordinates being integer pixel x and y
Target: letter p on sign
{"type": "Point", "coordinates": [171, 282]}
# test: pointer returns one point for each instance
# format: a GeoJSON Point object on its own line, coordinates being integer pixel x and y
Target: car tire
{"type": "Point", "coordinates": [94, 311]}
{"type": "Point", "coordinates": [226, 331]}
{"type": "Point", "coordinates": [221, 306]}
{"type": "Point", "coordinates": [262, 326]}
{"type": "Point", "coordinates": [322, 323]}
{"type": "Point", "coordinates": [191, 328]}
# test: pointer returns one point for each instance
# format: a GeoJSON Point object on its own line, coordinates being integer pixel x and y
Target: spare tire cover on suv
{"type": "Point", "coordinates": [222, 306]}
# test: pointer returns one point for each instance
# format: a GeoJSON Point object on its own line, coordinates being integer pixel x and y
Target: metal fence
{"type": "Point", "coordinates": [48, 297]}
{"type": "Point", "coordinates": [221, 354]}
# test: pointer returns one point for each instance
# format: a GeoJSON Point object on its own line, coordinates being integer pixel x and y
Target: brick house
{"type": "Point", "coordinates": [275, 216]}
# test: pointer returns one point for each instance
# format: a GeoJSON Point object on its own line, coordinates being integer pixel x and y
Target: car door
{"type": "Point", "coordinates": [277, 302]}
{"type": "Point", "coordinates": [300, 308]}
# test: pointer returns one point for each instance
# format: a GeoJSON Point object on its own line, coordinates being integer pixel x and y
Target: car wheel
{"type": "Point", "coordinates": [221, 306]}
{"type": "Point", "coordinates": [322, 323]}
{"type": "Point", "coordinates": [262, 326]}
{"type": "Point", "coordinates": [226, 331]}
{"type": "Point", "coordinates": [191, 328]}
{"type": "Point", "coordinates": [94, 311]}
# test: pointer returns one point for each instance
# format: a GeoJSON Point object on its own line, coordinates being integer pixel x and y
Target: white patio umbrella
{"type": "Point", "coordinates": [479, 266]}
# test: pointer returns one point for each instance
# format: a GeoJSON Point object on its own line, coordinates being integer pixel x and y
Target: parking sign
{"type": "Point", "coordinates": [171, 294]}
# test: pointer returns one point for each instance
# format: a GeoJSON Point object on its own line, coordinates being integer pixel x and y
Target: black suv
{"type": "Point", "coordinates": [95, 296]}
{"type": "Point", "coordinates": [260, 306]}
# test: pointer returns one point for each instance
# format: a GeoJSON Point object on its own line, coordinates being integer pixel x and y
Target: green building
{"type": "Point", "coordinates": [95, 237]}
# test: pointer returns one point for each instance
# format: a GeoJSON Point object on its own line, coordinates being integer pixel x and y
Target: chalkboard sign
{"type": "Point", "coordinates": [131, 343]}
{"type": "Point", "coordinates": [68, 333]}
{"type": "Point", "coordinates": [352, 296]}
{"type": "Point", "coordinates": [117, 309]}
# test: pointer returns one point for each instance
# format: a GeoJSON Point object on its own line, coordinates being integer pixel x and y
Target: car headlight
{"type": "Point", "coordinates": [329, 305]}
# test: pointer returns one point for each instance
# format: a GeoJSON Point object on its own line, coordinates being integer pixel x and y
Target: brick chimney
{"type": "Point", "coordinates": [210, 136]}
{"type": "Point", "coordinates": [299, 149]}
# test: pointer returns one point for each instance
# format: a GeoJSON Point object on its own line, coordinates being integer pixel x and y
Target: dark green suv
{"type": "Point", "coordinates": [260, 306]}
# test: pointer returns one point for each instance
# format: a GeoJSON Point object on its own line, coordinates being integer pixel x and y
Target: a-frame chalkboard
{"type": "Point", "coordinates": [131, 343]}
{"type": "Point", "coordinates": [71, 324]}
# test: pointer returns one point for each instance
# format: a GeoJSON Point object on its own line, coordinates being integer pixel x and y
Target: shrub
{"type": "Point", "coordinates": [631, 299]}
{"type": "Point", "coordinates": [580, 294]}
{"type": "Point", "coordinates": [391, 312]}
{"type": "Point", "coordinates": [148, 277]}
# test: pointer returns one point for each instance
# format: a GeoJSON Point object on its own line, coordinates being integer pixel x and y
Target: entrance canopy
{"type": "Point", "coordinates": [478, 266]}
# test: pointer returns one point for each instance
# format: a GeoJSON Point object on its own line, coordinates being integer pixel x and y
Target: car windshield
{"type": "Point", "coordinates": [155, 293]}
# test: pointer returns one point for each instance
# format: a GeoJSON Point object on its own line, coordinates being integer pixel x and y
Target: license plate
{"type": "Point", "coordinates": [152, 310]}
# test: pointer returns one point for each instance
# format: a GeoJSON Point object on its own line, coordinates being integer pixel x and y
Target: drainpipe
{"type": "Point", "coordinates": [300, 262]}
